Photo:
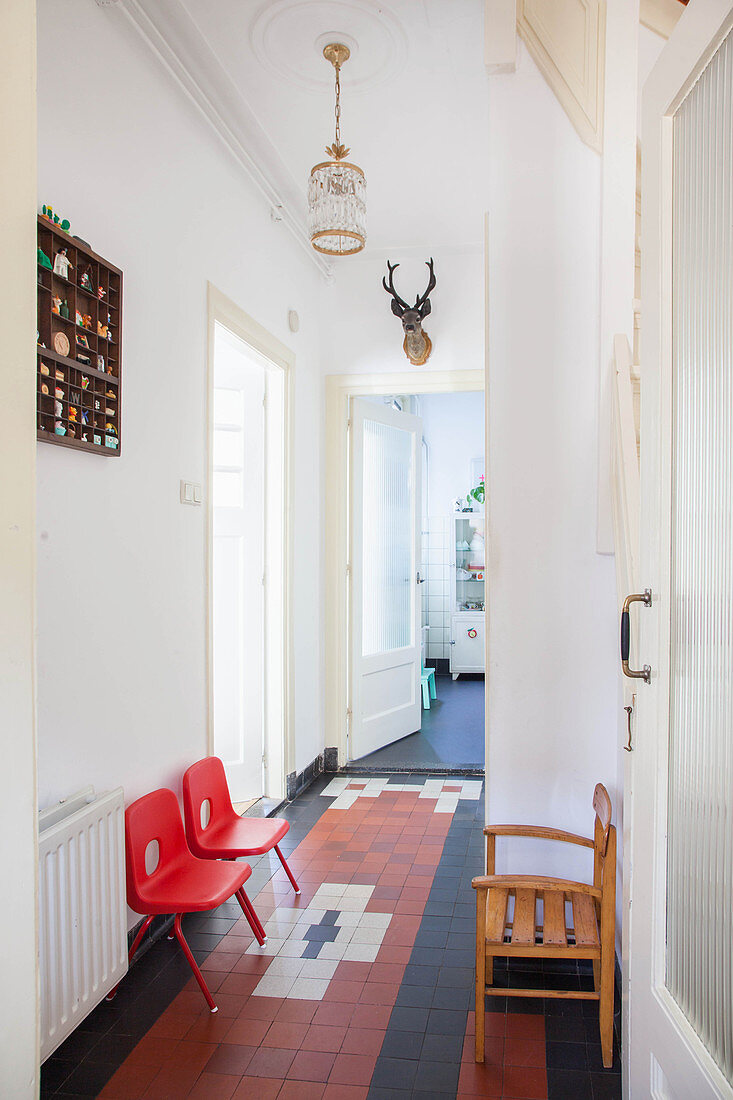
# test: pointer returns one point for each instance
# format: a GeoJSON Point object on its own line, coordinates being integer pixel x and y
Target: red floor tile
{"type": "Point", "coordinates": [229, 1058]}
{"type": "Point", "coordinates": [352, 1069]}
{"type": "Point", "coordinates": [214, 1086]}
{"type": "Point", "coordinates": [257, 1088]}
{"type": "Point", "coordinates": [525, 1083]}
{"type": "Point", "coordinates": [285, 1035]}
{"type": "Point", "coordinates": [371, 1016]}
{"type": "Point", "coordinates": [297, 1011]}
{"type": "Point", "coordinates": [346, 1092]}
{"type": "Point", "coordinates": [362, 1040]}
{"type": "Point", "coordinates": [522, 1026]}
{"type": "Point", "coordinates": [245, 1032]}
{"type": "Point", "coordinates": [324, 1038]}
{"type": "Point", "coordinates": [270, 1062]}
{"type": "Point", "coordinates": [525, 1052]}
{"type": "Point", "coordinates": [480, 1080]}
{"type": "Point", "coordinates": [312, 1065]}
{"type": "Point", "coordinates": [301, 1090]}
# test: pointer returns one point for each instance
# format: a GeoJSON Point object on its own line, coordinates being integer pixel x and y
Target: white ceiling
{"type": "Point", "coordinates": [414, 101]}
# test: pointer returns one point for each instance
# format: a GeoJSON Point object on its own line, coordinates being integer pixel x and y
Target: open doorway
{"type": "Point", "coordinates": [247, 559]}
{"type": "Point", "coordinates": [418, 561]}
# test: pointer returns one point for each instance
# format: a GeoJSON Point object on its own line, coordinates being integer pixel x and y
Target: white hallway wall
{"type": "Point", "coordinates": [121, 585]}
{"type": "Point", "coordinates": [552, 622]}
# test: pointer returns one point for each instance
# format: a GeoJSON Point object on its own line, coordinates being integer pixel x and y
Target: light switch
{"type": "Point", "coordinates": [190, 493]}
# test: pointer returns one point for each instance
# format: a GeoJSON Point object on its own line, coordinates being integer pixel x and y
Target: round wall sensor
{"type": "Point", "coordinates": [293, 320]}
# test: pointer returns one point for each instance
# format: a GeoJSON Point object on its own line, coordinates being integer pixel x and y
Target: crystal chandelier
{"type": "Point", "coordinates": [337, 189]}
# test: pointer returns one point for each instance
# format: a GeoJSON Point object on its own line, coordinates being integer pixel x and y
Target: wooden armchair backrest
{"type": "Point", "coordinates": [604, 836]}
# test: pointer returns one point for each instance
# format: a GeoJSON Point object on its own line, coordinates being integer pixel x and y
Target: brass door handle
{"type": "Point", "coordinates": [628, 747]}
{"type": "Point", "coordinates": [644, 673]}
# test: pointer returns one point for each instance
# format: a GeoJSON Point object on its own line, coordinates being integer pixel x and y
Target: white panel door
{"type": "Point", "coordinates": [680, 1024]}
{"type": "Point", "coordinates": [238, 563]}
{"type": "Point", "coordinates": [386, 466]}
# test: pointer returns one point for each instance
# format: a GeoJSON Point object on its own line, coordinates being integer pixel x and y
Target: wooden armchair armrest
{"type": "Point", "coordinates": [540, 831]}
{"type": "Point", "coordinates": [534, 882]}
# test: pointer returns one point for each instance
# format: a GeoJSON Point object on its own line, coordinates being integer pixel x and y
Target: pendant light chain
{"type": "Point", "coordinates": [337, 67]}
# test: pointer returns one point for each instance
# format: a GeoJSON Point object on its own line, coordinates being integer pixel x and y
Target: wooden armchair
{"type": "Point", "coordinates": [589, 934]}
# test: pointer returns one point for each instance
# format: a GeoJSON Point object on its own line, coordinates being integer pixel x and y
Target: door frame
{"type": "Point", "coordinates": [697, 36]}
{"type": "Point", "coordinates": [340, 388]}
{"type": "Point", "coordinates": [278, 747]}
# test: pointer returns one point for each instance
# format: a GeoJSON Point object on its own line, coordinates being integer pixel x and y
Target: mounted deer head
{"type": "Point", "coordinates": [417, 343]}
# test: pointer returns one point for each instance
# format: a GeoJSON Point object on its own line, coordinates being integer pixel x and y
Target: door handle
{"type": "Point", "coordinates": [644, 673]}
{"type": "Point", "coordinates": [420, 580]}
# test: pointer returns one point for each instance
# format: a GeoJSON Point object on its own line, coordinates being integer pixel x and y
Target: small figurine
{"type": "Point", "coordinates": [59, 375]}
{"type": "Point", "coordinates": [86, 320]}
{"type": "Point", "coordinates": [101, 330]}
{"type": "Point", "coordinates": [58, 392]}
{"type": "Point", "coordinates": [111, 395]}
{"type": "Point", "coordinates": [84, 416]}
{"type": "Point", "coordinates": [78, 317]}
{"type": "Point", "coordinates": [97, 405]}
{"type": "Point", "coordinates": [108, 411]}
{"type": "Point", "coordinates": [73, 412]}
{"type": "Point", "coordinates": [72, 432]}
{"type": "Point", "coordinates": [101, 292]}
{"type": "Point", "coordinates": [44, 389]}
{"type": "Point", "coordinates": [100, 363]}
{"type": "Point", "coordinates": [45, 369]}
{"type": "Point", "coordinates": [84, 382]}
{"type": "Point", "coordinates": [65, 309]}
{"type": "Point", "coordinates": [62, 264]}
{"type": "Point", "coordinates": [59, 428]}
{"type": "Point", "coordinates": [55, 304]}
{"type": "Point", "coordinates": [83, 359]}
{"type": "Point", "coordinates": [82, 340]}
{"type": "Point", "coordinates": [86, 279]}
{"type": "Point", "coordinates": [43, 260]}
{"type": "Point", "coordinates": [58, 408]}
{"type": "Point", "coordinates": [110, 428]}
{"type": "Point", "coordinates": [97, 438]}
{"type": "Point", "coordinates": [84, 437]}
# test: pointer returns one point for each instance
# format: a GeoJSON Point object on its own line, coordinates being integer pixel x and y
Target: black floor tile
{"type": "Point", "coordinates": [443, 1021]}
{"type": "Point", "coordinates": [409, 1019]}
{"type": "Point", "coordinates": [566, 1056]}
{"type": "Point", "coordinates": [569, 1085]}
{"type": "Point", "coordinates": [606, 1086]}
{"type": "Point", "coordinates": [394, 1073]}
{"type": "Point", "coordinates": [402, 1044]}
{"type": "Point", "coordinates": [438, 1076]}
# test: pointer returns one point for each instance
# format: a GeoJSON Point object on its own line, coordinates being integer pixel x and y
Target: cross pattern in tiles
{"type": "Point", "coordinates": [305, 946]}
{"type": "Point", "coordinates": [445, 792]}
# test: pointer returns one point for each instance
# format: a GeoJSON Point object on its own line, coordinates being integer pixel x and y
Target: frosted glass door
{"type": "Point", "coordinates": [680, 912]}
{"type": "Point", "coordinates": [385, 496]}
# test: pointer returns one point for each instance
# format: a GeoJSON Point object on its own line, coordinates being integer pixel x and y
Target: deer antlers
{"type": "Point", "coordinates": [399, 305]}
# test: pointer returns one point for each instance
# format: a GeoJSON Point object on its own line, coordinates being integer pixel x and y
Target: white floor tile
{"type": "Point", "coordinates": [311, 916]}
{"type": "Point", "coordinates": [368, 935]}
{"type": "Point", "coordinates": [292, 949]}
{"type": "Point", "coordinates": [361, 952]}
{"type": "Point", "coordinates": [283, 967]}
{"type": "Point", "coordinates": [347, 919]}
{"type": "Point", "coordinates": [333, 950]}
{"type": "Point", "coordinates": [317, 968]}
{"type": "Point", "coordinates": [351, 905]}
{"type": "Point", "coordinates": [330, 889]}
{"type": "Point", "coordinates": [309, 989]}
{"type": "Point", "coordinates": [345, 933]}
{"type": "Point", "coordinates": [375, 920]}
{"type": "Point", "coordinates": [274, 987]}
{"type": "Point", "coordinates": [355, 890]}
{"type": "Point", "coordinates": [271, 947]}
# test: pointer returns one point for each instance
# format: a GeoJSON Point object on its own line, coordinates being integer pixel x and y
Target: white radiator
{"type": "Point", "coordinates": [82, 912]}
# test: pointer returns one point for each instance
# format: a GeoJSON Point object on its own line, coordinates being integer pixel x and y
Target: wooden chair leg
{"type": "Point", "coordinates": [605, 1014]}
{"type": "Point", "coordinates": [481, 964]}
{"type": "Point", "coordinates": [489, 969]}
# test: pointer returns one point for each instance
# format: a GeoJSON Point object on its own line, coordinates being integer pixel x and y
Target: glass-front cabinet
{"type": "Point", "coordinates": [468, 593]}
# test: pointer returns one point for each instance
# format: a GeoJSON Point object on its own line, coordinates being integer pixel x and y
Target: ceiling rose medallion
{"type": "Point", "coordinates": [337, 188]}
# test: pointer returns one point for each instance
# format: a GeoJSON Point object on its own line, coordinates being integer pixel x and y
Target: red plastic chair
{"type": "Point", "coordinates": [179, 883]}
{"type": "Point", "coordinates": [227, 835]}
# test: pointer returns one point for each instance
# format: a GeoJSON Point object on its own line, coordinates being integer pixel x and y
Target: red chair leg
{"type": "Point", "coordinates": [252, 919]}
{"type": "Point", "coordinates": [288, 872]}
{"type": "Point", "coordinates": [178, 932]}
{"type": "Point", "coordinates": [135, 944]}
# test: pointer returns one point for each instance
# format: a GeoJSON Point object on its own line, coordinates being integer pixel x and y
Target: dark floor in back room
{"type": "Point", "coordinates": [452, 733]}
{"type": "Point", "coordinates": [364, 989]}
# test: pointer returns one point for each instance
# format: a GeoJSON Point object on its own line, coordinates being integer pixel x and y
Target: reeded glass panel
{"type": "Point", "coordinates": [700, 814]}
{"type": "Point", "coordinates": [388, 539]}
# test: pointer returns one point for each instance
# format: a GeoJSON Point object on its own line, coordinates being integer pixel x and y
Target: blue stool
{"type": "Point", "coordinates": [427, 682]}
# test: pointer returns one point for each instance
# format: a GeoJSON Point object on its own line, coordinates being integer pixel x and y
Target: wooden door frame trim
{"type": "Point", "coordinates": [340, 389]}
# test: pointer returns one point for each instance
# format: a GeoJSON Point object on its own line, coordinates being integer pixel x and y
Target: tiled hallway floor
{"type": "Point", "coordinates": [364, 988]}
